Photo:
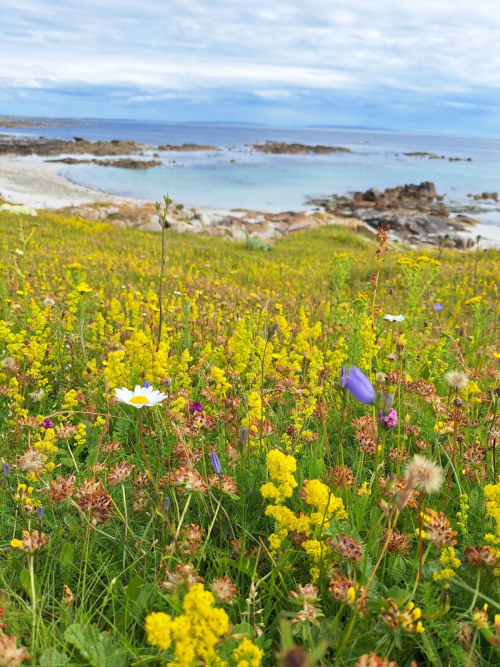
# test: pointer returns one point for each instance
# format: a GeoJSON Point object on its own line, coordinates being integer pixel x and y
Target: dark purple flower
{"type": "Point", "coordinates": [145, 384]}
{"type": "Point", "coordinates": [6, 469]}
{"type": "Point", "coordinates": [215, 463]}
{"type": "Point", "coordinates": [356, 382]}
{"type": "Point", "coordinates": [438, 307]}
{"type": "Point", "coordinates": [166, 503]}
{"type": "Point", "coordinates": [39, 513]}
{"type": "Point", "coordinates": [196, 406]}
{"type": "Point", "coordinates": [47, 424]}
{"type": "Point", "coordinates": [168, 383]}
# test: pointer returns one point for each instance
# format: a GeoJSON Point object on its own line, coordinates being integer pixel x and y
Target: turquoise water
{"type": "Point", "coordinates": [283, 182]}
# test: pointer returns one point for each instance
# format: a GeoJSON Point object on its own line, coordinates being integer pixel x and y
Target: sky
{"type": "Point", "coordinates": [399, 64]}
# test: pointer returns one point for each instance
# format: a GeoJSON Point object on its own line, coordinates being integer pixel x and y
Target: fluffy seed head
{"type": "Point", "coordinates": [426, 475]}
{"type": "Point", "coordinates": [457, 380]}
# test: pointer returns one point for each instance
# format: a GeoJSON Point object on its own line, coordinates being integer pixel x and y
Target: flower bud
{"type": "Point", "coordinates": [387, 404]}
{"type": "Point", "coordinates": [145, 384]}
{"type": "Point", "coordinates": [243, 436]}
{"type": "Point", "coordinates": [215, 463]}
{"type": "Point", "coordinates": [39, 513]}
{"type": "Point", "coordinates": [166, 503]}
{"type": "Point", "coordinates": [168, 383]}
{"type": "Point", "coordinates": [6, 469]}
{"type": "Point", "coordinates": [444, 602]}
{"type": "Point", "coordinates": [272, 330]}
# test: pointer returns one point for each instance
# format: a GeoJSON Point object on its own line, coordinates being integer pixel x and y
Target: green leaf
{"type": "Point", "coordinates": [26, 584]}
{"type": "Point", "coordinates": [66, 554]}
{"type": "Point", "coordinates": [96, 647]}
{"type": "Point", "coordinates": [52, 658]}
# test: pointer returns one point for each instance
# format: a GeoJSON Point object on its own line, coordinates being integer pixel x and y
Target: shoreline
{"type": "Point", "coordinates": [42, 186]}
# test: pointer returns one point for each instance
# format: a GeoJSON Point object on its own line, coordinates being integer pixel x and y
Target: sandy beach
{"type": "Point", "coordinates": [40, 185]}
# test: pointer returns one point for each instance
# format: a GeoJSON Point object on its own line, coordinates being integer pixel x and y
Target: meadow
{"type": "Point", "coordinates": [237, 455]}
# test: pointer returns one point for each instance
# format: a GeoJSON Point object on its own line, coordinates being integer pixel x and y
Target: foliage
{"type": "Point", "coordinates": [121, 544]}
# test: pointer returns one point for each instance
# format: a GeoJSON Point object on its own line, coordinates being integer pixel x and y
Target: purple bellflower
{"type": "Point", "coordinates": [356, 382]}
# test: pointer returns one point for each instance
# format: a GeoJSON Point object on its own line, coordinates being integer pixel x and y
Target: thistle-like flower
{"type": "Point", "coordinates": [426, 475]}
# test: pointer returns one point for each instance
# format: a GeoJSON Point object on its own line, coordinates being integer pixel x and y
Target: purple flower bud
{"type": "Point", "coordinates": [47, 424]}
{"type": "Point", "coordinates": [387, 405]}
{"type": "Point", "coordinates": [168, 383]}
{"type": "Point", "coordinates": [196, 406]}
{"type": "Point", "coordinates": [272, 330]}
{"type": "Point", "coordinates": [215, 463]}
{"type": "Point", "coordinates": [243, 436]}
{"type": "Point", "coordinates": [39, 513]}
{"type": "Point", "coordinates": [166, 503]}
{"type": "Point", "coordinates": [6, 469]}
{"type": "Point", "coordinates": [438, 307]}
{"type": "Point", "coordinates": [145, 384]}
{"type": "Point", "coordinates": [357, 384]}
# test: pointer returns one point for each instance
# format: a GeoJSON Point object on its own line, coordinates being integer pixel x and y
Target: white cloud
{"type": "Point", "coordinates": [269, 49]}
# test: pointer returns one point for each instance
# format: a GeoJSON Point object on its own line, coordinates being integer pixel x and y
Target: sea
{"type": "Point", "coordinates": [237, 176]}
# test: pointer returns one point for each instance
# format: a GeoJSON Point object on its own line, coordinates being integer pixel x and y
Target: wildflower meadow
{"type": "Point", "coordinates": [227, 454]}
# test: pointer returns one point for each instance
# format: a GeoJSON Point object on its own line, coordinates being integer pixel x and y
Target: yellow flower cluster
{"type": "Point", "coordinates": [194, 634]}
{"type": "Point", "coordinates": [246, 654]}
{"type": "Point", "coordinates": [449, 564]}
{"type": "Point", "coordinates": [492, 494]}
{"type": "Point", "coordinates": [318, 495]}
{"type": "Point", "coordinates": [280, 466]}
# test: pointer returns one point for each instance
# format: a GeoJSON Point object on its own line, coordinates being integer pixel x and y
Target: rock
{"type": "Point", "coordinates": [124, 163]}
{"type": "Point", "coordinates": [371, 195]}
{"type": "Point", "coordinates": [187, 147]}
{"type": "Point", "coordinates": [44, 146]}
{"type": "Point", "coordinates": [279, 148]}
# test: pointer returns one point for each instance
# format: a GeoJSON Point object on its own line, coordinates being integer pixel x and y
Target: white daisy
{"type": "Point", "coordinates": [394, 318]}
{"type": "Point", "coordinates": [141, 397]}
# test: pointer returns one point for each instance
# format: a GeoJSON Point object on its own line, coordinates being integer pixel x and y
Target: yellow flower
{"type": "Point", "coordinates": [247, 654]}
{"type": "Point", "coordinates": [159, 629]}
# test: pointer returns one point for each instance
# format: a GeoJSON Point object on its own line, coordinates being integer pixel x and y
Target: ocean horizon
{"type": "Point", "coordinates": [237, 176]}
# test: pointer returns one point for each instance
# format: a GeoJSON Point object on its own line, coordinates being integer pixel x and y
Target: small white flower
{"type": "Point", "coordinates": [141, 397]}
{"type": "Point", "coordinates": [19, 252]}
{"type": "Point", "coordinates": [18, 210]}
{"type": "Point", "coordinates": [177, 293]}
{"type": "Point", "coordinates": [394, 318]}
{"type": "Point", "coordinates": [48, 302]}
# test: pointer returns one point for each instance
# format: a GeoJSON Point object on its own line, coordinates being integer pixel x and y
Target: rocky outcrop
{"type": "Point", "coordinates": [124, 163]}
{"type": "Point", "coordinates": [433, 156]}
{"type": "Point", "coordinates": [237, 225]}
{"type": "Point", "coordinates": [187, 147]}
{"type": "Point", "coordinates": [485, 195]}
{"type": "Point", "coordinates": [279, 148]}
{"type": "Point", "coordinates": [416, 214]}
{"type": "Point", "coordinates": [44, 146]}
{"type": "Point", "coordinates": [10, 122]}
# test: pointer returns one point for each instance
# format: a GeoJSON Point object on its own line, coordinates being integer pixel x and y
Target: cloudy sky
{"type": "Point", "coordinates": [401, 64]}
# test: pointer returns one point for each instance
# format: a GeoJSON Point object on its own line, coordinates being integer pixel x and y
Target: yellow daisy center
{"type": "Point", "coordinates": [138, 400]}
